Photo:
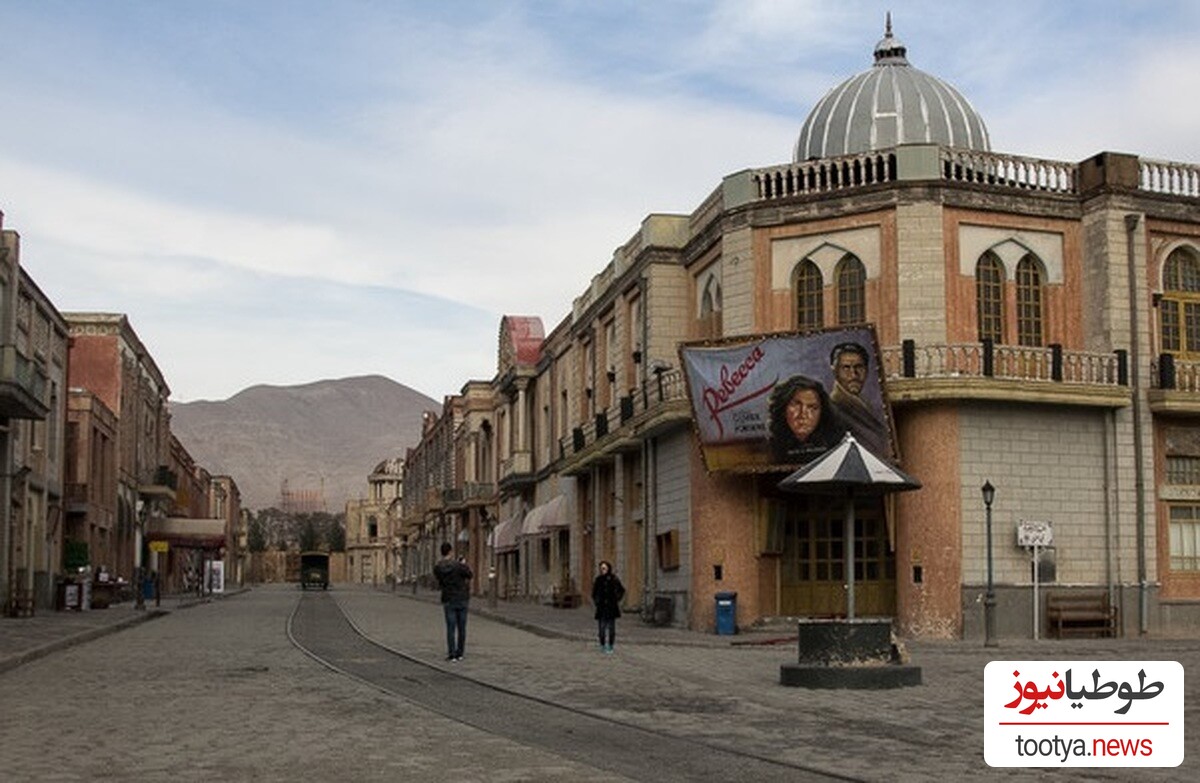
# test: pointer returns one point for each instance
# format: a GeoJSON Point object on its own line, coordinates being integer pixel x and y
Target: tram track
{"type": "Point", "coordinates": [321, 629]}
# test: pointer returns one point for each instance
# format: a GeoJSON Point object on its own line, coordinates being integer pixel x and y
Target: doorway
{"type": "Point", "coordinates": [813, 561]}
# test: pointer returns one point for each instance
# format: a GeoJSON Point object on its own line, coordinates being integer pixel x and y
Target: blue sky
{"type": "Point", "coordinates": [283, 191]}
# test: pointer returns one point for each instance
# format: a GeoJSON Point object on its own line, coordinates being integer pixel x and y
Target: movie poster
{"type": "Point", "coordinates": [776, 402]}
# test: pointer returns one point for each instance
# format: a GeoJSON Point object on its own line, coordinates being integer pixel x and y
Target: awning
{"type": "Point", "coordinates": [548, 515]}
{"type": "Point", "coordinates": [506, 535]}
{"type": "Point", "coordinates": [187, 532]}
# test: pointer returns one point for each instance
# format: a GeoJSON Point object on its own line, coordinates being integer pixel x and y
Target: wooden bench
{"type": "Point", "coordinates": [564, 599]}
{"type": "Point", "coordinates": [1078, 614]}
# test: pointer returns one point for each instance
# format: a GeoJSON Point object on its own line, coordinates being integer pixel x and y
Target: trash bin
{"type": "Point", "coordinates": [726, 614]}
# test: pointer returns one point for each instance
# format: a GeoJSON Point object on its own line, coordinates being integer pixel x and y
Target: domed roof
{"type": "Point", "coordinates": [892, 103]}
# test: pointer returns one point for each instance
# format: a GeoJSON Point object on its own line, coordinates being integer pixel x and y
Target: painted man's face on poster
{"type": "Point", "coordinates": [850, 370]}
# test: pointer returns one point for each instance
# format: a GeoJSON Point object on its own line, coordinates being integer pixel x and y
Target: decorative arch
{"type": "Point", "coordinates": [710, 304]}
{"type": "Point", "coordinates": [710, 297]}
{"type": "Point", "coordinates": [1179, 310]}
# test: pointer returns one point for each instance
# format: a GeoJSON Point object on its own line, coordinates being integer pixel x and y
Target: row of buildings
{"type": "Point", "coordinates": [92, 481]}
{"type": "Point", "coordinates": [1037, 330]}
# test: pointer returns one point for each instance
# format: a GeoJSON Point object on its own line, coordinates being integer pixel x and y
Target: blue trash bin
{"type": "Point", "coordinates": [726, 614]}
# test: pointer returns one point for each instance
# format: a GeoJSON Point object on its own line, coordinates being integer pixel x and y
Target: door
{"type": "Point", "coordinates": [813, 562]}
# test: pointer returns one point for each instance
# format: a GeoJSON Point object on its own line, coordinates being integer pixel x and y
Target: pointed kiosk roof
{"type": "Point", "coordinates": [849, 465]}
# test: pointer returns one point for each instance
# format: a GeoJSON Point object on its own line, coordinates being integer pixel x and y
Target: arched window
{"type": "Point", "coordinates": [1029, 301]}
{"type": "Point", "coordinates": [989, 297]}
{"type": "Point", "coordinates": [710, 309]}
{"type": "Point", "coordinates": [809, 302]}
{"type": "Point", "coordinates": [851, 279]}
{"type": "Point", "coordinates": [1179, 311]}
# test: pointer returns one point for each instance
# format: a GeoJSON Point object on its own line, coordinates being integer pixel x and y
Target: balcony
{"type": "Point", "coordinates": [1174, 386]}
{"type": "Point", "coordinates": [433, 499]}
{"type": "Point", "coordinates": [468, 495]}
{"type": "Point", "coordinates": [475, 494]}
{"type": "Point", "coordinates": [517, 470]}
{"type": "Point", "coordinates": [983, 371]}
{"type": "Point", "coordinates": [22, 386]}
{"type": "Point", "coordinates": [75, 496]}
{"type": "Point", "coordinates": [660, 404]}
{"type": "Point", "coordinates": [161, 487]}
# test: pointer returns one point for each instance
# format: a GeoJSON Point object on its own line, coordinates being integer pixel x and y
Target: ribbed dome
{"type": "Point", "coordinates": [892, 103]}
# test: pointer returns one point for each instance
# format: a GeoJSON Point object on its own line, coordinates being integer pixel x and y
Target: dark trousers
{"type": "Point", "coordinates": [608, 630]}
{"type": "Point", "coordinates": [456, 629]}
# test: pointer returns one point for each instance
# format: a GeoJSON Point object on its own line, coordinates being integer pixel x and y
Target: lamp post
{"type": "Point", "coordinates": [989, 599]}
{"type": "Point", "coordinates": [489, 524]}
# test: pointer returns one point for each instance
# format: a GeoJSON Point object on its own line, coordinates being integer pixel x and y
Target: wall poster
{"type": "Point", "coordinates": [777, 401]}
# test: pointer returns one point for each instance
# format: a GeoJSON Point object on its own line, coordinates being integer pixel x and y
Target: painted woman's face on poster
{"type": "Point", "coordinates": [779, 401]}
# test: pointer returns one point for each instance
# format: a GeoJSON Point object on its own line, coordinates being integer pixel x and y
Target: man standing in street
{"type": "Point", "coordinates": [454, 577]}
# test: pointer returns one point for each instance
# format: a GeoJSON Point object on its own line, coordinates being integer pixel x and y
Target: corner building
{"type": "Point", "coordinates": [1038, 327]}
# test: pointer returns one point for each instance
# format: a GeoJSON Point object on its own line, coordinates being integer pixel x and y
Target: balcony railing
{"type": "Point", "coordinates": [1050, 364]}
{"type": "Point", "coordinates": [824, 176]}
{"type": "Point", "coordinates": [22, 386]}
{"type": "Point", "coordinates": [663, 387]}
{"type": "Point", "coordinates": [1176, 179]}
{"type": "Point", "coordinates": [520, 463]}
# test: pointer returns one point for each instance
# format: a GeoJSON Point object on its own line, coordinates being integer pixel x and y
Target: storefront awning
{"type": "Point", "coordinates": [506, 535]}
{"type": "Point", "coordinates": [547, 516]}
{"type": "Point", "coordinates": [186, 532]}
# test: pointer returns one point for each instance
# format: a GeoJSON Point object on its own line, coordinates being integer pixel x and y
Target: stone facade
{"type": "Point", "coordinates": [1031, 334]}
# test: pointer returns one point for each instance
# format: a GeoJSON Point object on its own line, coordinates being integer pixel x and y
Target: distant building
{"type": "Point", "coordinates": [373, 542]}
{"type": "Point", "coordinates": [108, 360]}
{"type": "Point", "coordinates": [301, 501]}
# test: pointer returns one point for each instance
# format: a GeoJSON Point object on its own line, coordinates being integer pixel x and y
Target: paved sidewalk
{"type": "Point", "coordinates": [23, 639]}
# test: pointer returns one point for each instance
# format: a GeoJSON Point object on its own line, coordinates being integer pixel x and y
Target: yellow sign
{"type": "Point", "coordinates": [158, 546]}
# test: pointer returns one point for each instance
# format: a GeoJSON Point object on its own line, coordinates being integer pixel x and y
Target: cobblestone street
{"type": "Point", "coordinates": [216, 690]}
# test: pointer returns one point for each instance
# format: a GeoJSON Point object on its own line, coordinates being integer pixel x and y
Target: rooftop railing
{"type": "Point", "coordinates": [951, 164]}
{"type": "Point", "coordinates": [1176, 179]}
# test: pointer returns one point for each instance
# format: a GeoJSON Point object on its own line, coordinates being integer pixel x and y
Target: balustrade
{"type": "Point", "coordinates": [1176, 179]}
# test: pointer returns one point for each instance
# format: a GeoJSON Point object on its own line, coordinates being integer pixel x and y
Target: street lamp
{"type": "Point", "coordinates": [489, 524]}
{"type": "Point", "coordinates": [989, 599]}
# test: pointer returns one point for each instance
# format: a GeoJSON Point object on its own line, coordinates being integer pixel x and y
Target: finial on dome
{"type": "Point", "coordinates": [889, 50]}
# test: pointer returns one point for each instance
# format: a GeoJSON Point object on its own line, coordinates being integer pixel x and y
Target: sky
{"type": "Point", "coordinates": [284, 191]}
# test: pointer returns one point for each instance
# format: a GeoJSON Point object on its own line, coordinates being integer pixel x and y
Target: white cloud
{"type": "Point", "coordinates": [429, 168]}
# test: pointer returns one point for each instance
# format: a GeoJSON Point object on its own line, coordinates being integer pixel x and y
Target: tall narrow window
{"type": "Point", "coordinates": [1029, 302]}
{"type": "Point", "coordinates": [1179, 311]}
{"type": "Point", "coordinates": [851, 278]}
{"type": "Point", "coordinates": [809, 302]}
{"type": "Point", "coordinates": [710, 309]}
{"type": "Point", "coordinates": [989, 297]}
{"type": "Point", "coordinates": [1184, 530]}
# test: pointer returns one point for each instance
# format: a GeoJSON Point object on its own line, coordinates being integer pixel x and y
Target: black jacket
{"type": "Point", "coordinates": [607, 592]}
{"type": "Point", "coordinates": [455, 580]}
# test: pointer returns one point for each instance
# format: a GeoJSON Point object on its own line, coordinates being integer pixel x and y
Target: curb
{"type": "Point", "coordinates": [20, 659]}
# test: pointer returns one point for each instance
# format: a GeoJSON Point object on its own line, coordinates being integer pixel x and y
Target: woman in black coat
{"type": "Point", "coordinates": [607, 592]}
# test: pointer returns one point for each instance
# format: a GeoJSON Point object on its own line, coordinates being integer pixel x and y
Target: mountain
{"type": "Point", "coordinates": [324, 436]}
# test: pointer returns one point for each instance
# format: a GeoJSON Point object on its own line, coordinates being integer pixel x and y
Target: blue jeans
{"type": "Point", "coordinates": [456, 629]}
{"type": "Point", "coordinates": [608, 631]}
